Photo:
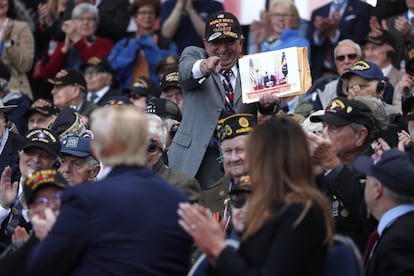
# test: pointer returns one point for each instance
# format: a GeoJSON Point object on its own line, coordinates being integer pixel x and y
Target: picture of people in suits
{"type": "Point", "coordinates": [269, 80]}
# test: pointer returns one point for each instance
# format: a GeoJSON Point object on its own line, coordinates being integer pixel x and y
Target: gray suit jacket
{"type": "Point", "coordinates": [203, 103]}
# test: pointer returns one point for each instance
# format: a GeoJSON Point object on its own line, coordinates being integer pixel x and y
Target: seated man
{"type": "Point", "coordinates": [40, 151]}
{"type": "Point", "coordinates": [141, 91]}
{"type": "Point", "coordinates": [157, 142]}
{"type": "Point", "coordinates": [98, 74]}
{"type": "Point", "coordinates": [234, 131]}
{"type": "Point", "coordinates": [42, 192]}
{"type": "Point", "coordinates": [40, 114]}
{"type": "Point", "coordinates": [348, 126]}
{"type": "Point", "coordinates": [169, 112]}
{"type": "Point", "coordinates": [77, 164]}
{"type": "Point", "coordinates": [69, 91]}
{"type": "Point", "coordinates": [365, 78]}
{"type": "Point", "coordinates": [171, 89]}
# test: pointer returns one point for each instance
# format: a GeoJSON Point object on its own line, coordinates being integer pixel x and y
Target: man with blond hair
{"type": "Point", "coordinates": [124, 224]}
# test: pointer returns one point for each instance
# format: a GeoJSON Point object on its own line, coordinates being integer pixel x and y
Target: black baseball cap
{"type": "Point", "coordinates": [69, 77]}
{"type": "Point", "coordinates": [222, 25]}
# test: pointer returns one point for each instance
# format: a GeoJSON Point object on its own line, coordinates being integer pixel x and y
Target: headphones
{"type": "Point", "coordinates": [380, 87]}
{"type": "Point", "coordinates": [390, 54]}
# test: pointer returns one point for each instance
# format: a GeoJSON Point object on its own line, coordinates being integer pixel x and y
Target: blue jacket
{"type": "Point", "coordinates": [125, 224]}
{"type": "Point", "coordinates": [124, 54]}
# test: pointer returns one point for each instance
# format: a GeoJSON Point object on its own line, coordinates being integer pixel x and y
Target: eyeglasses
{"type": "Point", "coordinates": [238, 200]}
{"type": "Point", "coordinates": [43, 202]}
{"type": "Point", "coordinates": [349, 56]}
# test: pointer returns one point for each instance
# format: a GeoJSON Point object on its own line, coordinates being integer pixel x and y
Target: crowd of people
{"type": "Point", "coordinates": [126, 147]}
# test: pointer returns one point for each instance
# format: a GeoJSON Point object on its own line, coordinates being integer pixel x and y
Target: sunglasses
{"type": "Point", "coordinates": [238, 200]}
{"type": "Point", "coordinates": [349, 56]}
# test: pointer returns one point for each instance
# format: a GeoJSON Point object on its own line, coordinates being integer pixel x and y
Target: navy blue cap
{"type": "Point", "coordinates": [395, 170]}
{"type": "Point", "coordinates": [76, 146]}
{"type": "Point", "coordinates": [365, 69]}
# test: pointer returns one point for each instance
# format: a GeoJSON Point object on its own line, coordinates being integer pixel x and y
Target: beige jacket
{"type": "Point", "coordinates": [19, 57]}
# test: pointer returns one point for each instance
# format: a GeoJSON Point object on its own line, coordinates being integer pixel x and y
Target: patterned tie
{"type": "Point", "coordinates": [371, 244]}
{"type": "Point", "coordinates": [229, 96]}
{"type": "Point", "coordinates": [93, 97]}
{"type": "Point", "coordinates": [15, 217]}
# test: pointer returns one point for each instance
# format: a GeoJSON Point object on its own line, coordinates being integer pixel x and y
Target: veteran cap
{"type": "Point", "coordinates": [69, 77]}
{"type": "Point", "coordinates": [236, 125]}
{"type": "Point", "coordinates": [365, 69]}
{"type": "Point", "coordinates": [44, 107]}
{"type": "Point", "coordinates": [170, 80]}
{"type": "Point", "coordinates": [40, 179]}
{"type": "Point", "coordinates": [241, 184]}
{"type": "Point", "coordinates": [76, 145]}
{"type": "Point", "coordinates": [143, 87]}
{"type": "Point", "coordinates": [342, 111]}
{"type": "Point", "coordinates": [68, 122]}
{"type": "Point", "coordinates": [43, 138]}
{"type": "Point", "coordinates": [164, 108]}
{"type": "Point", "coordinates": [222, 25]}
{"type": "Point", "coordinates": [395, 170]}
{"type": "Point", "coordinates": [379, 37]}
{"type": "Point", "coordinates": [101, 64]}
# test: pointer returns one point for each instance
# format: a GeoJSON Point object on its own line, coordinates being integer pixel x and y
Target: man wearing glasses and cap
{"type": "Point", "coordinates": [77, 164]}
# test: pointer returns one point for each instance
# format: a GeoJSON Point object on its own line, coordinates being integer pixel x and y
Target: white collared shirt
{"type": "Point", "coordinates": [100, 93]}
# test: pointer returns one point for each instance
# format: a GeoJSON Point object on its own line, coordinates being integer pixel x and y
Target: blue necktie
{"type": "Point", "coordinates": [15, 217]}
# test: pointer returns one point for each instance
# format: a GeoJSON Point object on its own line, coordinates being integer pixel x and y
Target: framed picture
{"type": "Point", "coordinates": [285, 72]}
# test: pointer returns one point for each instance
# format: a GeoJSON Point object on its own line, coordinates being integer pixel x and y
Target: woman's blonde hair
{"type": "Point", "coordinates": [292, 7]}
{"type": "Point", "coordinates": [280, 167]}
{"type": "Point", "coordinates": [120, 135]}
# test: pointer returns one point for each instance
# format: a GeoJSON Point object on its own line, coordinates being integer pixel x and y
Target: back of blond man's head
{"type": "Point", "coordinates": [120, 135]}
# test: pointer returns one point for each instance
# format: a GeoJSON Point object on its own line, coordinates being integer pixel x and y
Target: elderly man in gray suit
{"type": "Point", "coordinates": [211, 85]}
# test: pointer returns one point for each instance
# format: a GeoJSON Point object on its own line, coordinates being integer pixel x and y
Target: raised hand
{"type": "Point", "coordinates": [8, 191]}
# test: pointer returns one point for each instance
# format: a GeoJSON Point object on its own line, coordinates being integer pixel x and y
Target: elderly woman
{"type": "Point", "coordinates": [288, 224]}
{"type": "Point", "coordinates": [16, 47]}
{"type": "Point", "coordinates": [283, 19]}
{"type": "Point", "coordinates": [138, 56]}
{"type": "Point", "coordinates": [80, 42]}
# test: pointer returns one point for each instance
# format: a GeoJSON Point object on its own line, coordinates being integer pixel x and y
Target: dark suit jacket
{"type": "Point", "coordinates": [203, 104]}
{"type": "Point", "coordinates": [109, 95]}
{"type": "Point", "coordinates": [394, 253]}
{"type": "Point", "coordinates": [113, 19]}
{"type": "Point", "coordinates": [354, 24]}
{"type": "Point", "coordinates": [125, 224]}
{"type": "Point", "coordinates": [9, 154]}
{"type": "Point", "coordinates": [401, 43]}
{"type": "Point", "coordinates": [278, 248]}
